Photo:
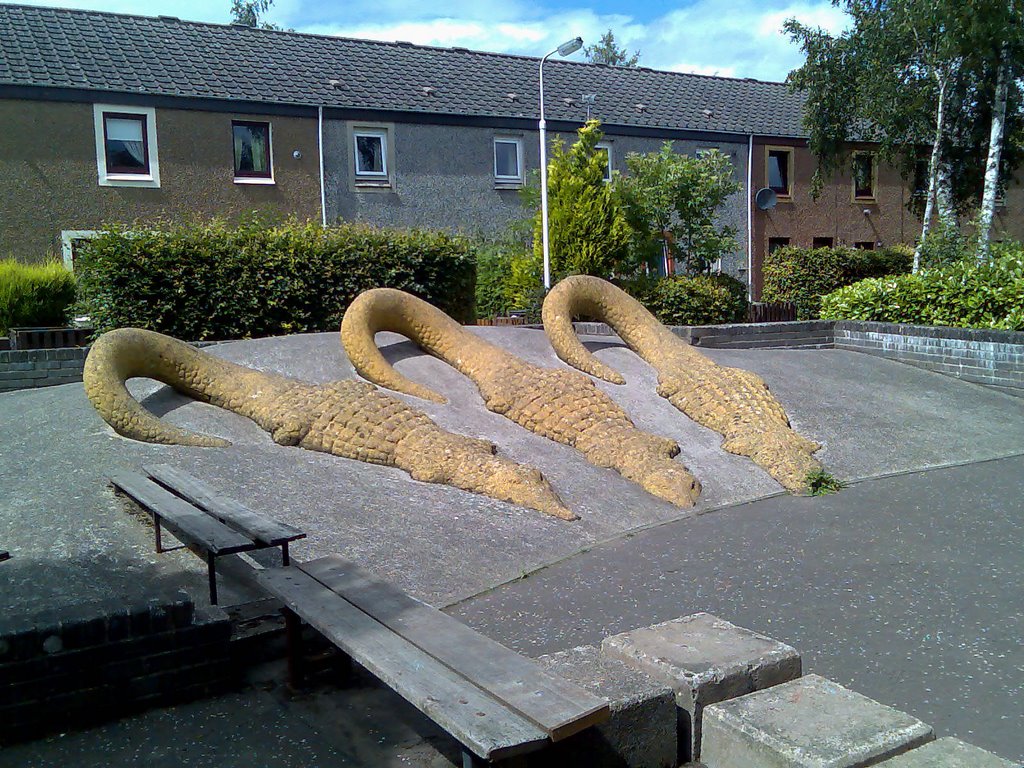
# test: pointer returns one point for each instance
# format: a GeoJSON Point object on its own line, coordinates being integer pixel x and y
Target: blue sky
{"type": "Point", "coordinates": [736, 38]}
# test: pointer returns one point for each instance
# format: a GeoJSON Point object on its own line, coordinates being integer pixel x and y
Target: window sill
{"type": "Point", "coordinates": [865, 200]}
{"type": "Point", "coordinates": [258, 180]}
{"type": "Point", "coordinates": [129, 180]}
{"type": "Point", "coordinates": [373, 183]}
{"type": "Point", "coordinates": [508, 183]}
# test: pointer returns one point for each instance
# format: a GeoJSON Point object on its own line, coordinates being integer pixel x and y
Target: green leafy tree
{"type": "Point", "coordinates": [673, 200]}
{"type": "Point", "coordinates": [587, 230]}
{"type": "Point", "coordinates": [251, 13]}
{"type": "Point", "coordinates": [608, 52]}
{"type": "Point", "coordinates": [908, 72]}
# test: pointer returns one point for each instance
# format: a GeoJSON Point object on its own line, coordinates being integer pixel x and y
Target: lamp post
{"type": "Point", "coordinates": [563, 50]}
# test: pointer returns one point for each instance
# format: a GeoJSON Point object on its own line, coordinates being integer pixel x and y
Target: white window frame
{"type": "Point", "coordinates": [67, 240]}
{"type": "Point", "coordinates": [516, 180]}
{"type": "Point", "coordinates": [264, 180]}
{"type": "Point", "coordinates": [607, 147]}
{"type": "Point", "coordinates": [150, 180]}
{"type": "Point", "coordinates": [380, 177]}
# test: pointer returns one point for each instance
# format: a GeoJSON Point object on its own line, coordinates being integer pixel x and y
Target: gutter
{"type": "Point", "coordinates": [750, 219]}
{"type": "Point", "coordinates": [320, 152]}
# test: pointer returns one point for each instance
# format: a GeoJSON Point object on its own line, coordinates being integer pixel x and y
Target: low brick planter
{"type": "Point", "coordinates": [28, 368]}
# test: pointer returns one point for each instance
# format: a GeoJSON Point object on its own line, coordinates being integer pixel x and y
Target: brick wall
{"type": "Point", "coordinates": [985, 357]}
{"type": "Point", "coordinates": [27, 368]}
{"type": "Point", "coordinates": [88, 664]}
{"type": "Point", "coordinates": [995, 358]}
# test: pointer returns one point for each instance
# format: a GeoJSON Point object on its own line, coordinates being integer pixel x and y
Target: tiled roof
{"type": "Point", "coordinates": [168, 57]}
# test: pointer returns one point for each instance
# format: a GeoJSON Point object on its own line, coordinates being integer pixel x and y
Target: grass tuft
{"type": "Point", "coordinates": [821, 483]}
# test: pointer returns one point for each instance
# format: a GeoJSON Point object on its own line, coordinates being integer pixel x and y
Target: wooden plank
{"type": "Point", "coordinates": [480, 723]}
{"type": "Point", "coordinates": [227, 510]}
{"type": "Point", "coordinates": [556, 705]}
{"type": "Point", "coordinates": [180, 516]}
{"type": "Point", "coordinates": [4, 555]}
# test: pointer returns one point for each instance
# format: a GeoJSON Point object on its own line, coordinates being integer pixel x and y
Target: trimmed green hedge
{"type": "Point", "coordinates": [961, 295]}
{"type": "Point", "coordinates": [34, 294]}
{"type": "Point", "coordinates": [804, 275]}
{"type": "Point", "coordinates": [692, 300]}
{"type": "Point", "coordinates": [217, 281]}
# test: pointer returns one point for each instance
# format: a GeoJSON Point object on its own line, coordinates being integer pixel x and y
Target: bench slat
{"type": "Point", "coordinates": [483, 725]}
{"type": "Point", "coordinates": [556, 705]}
{"type": "Point", "coordinates": [227, 510]}
{"type": "Point", "coordinates": [179, 515]}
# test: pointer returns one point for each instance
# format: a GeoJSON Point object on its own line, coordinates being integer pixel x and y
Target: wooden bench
{"type": "Point", "coordinates": [202, 518]}
{"type": "Point", "coordinates": [497, 704]}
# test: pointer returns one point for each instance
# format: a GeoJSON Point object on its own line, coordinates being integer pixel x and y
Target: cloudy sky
{"type": "Point", "coordinates": [735, 38]}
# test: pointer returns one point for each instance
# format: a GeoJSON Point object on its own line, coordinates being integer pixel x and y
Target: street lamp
{"type": "Point", "coordinates": [563, 50]}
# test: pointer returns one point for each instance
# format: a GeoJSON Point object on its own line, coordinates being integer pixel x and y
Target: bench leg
{"type": "Point", "coordinates": [156, 529]}
{"type": "Point", "coordinates": [296, 654]}
{"type": "Point", "coordinates": [284, 554]}
{"type": "Point", "coordinates": [212, 573]}
{"type": "Point", "coordinates": [469, 760]}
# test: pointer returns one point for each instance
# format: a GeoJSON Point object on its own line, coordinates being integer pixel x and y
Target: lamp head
{"type": "Point", "coordinates": [570, 47]}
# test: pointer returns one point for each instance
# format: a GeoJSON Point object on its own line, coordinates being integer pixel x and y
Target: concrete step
{"type": "Point", "coordinates": [807, 723]}
{"type": "Point", "coordinates": [706, 660]}
{"type": "Point", "coordinates": [948, 753]}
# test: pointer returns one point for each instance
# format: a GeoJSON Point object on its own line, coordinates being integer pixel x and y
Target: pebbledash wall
{"type": "Point", "coordinates": [441, 175]}
{"type": "Point", "coordinates": [995, 358]}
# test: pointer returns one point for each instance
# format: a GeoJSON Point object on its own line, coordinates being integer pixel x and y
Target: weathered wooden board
{"type": "Point", "coordinates": [180, 516]}
{"type": "Point", "coordinates": [229, 511]}
{"type": "Point", "coordinates": [480, 723]}
{"type": "Point", "coordinates": [557, 706]}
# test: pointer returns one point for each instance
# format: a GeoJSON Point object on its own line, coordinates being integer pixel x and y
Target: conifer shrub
{"type": "Point", "coordinates": [34, 295]}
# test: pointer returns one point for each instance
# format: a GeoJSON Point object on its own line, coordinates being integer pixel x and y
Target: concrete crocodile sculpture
{"type": "Point", "coordinates": [345, 418]}
{"type": "Point", "coordinates": [733, 402]}
{"type": "Point", "coordinates": [562, 405]}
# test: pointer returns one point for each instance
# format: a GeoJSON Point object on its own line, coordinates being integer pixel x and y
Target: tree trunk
{"type": "Point", "coordinates": [933, 172]}
{"type": "Point", "coordinates": [995, 148]}
{"type": "Point", "coordinates": [944, 195]}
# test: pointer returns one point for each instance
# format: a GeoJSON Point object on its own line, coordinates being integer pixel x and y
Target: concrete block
{"type": "Point", "coordinates": [706, 660]}
{"type": "Point", "coordinates": [948, 753]}
{"type": "Point", "coordinates": [807, 723]}
{"type": "Point", "coordinates": [641, 732]}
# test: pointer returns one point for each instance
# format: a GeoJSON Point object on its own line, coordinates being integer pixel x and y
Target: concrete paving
{"type": "Point", "coordinates": [906, 589]}
{"type": "Point", "coordinates": [902, 588]}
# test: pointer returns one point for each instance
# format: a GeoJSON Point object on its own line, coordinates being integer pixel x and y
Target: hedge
{"type": "Point", "coordinates": [34, 294]}
{"type": "Point", "coordinates": [692, 300]}
{"type": "Point", "coordinates": [961, 295]}
{"type": "Point", "coordinates": [212, 280]}
{"type": "Point", "coordinates": [804, 275]}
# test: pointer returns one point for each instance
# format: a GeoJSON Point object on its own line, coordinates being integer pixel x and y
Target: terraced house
{"type": "Point", "coordinates": [111, 117]}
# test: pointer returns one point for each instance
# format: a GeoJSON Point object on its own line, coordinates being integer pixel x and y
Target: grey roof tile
{"type": "Point", "coordinates": [164, 56]}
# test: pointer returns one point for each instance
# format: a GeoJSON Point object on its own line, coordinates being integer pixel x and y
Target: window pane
{"type": "Point", "coordinates": [778, 171]}
{"type": "Point", "coordinates": [506, 159]}
{"type": "Point", "coordinates": [252, 149]}
{"type": "Point", "coordinates": [125, 144]}
{"type": "Point", "coordinates": [370, 154]}
{"type": "Point", "coordinates": [863, 182]}
{"type": "Point", "coordinates": [774, 243]}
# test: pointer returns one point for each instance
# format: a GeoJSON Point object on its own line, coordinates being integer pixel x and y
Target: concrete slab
{"type": "Point", "coordinates": [948, 753]}
{"type": "Point", "coordinates": [70, 541]}
{"type": "Point", "coordinates": [641, 732]}
{"type": "Point", "coordinates": [806, 723]}
{"type": "Point", "coordinates": [706, 660]}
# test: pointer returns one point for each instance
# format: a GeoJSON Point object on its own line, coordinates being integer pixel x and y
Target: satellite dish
{"type": "Point", "coordinates": [765, 199]}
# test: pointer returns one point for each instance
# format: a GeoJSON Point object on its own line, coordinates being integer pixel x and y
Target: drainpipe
{"type": "Point", "coordinates": [320, 151]}
{"type": "Point", "coordinates": [750, 220]}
